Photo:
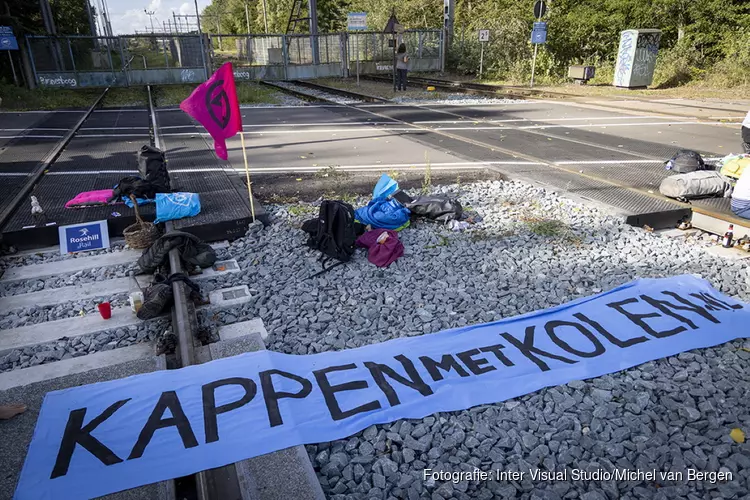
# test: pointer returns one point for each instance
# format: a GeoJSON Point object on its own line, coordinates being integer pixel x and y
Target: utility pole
{"type": "Point", "coordinates": [107, 18]}
{"type": "Point", "coordinates": [200, 37]}
{"type": "Point", "coordinates": [313, 8]}
{"type": "Point", "coordinates": [151, 16]}
{"type": "Point", "coordinates": [49, 25]}
{"type": "Point", "coordinates": [247, 19]}
{"type": "Point", "coordinates": [449, 13]}
{"type": "Point", "coordinates": [90, 13]}
{"type": "Point", "coordinates": [265, 16]}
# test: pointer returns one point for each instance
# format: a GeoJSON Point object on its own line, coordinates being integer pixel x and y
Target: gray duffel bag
{"type": "Point", "coordinates": [694, 185]}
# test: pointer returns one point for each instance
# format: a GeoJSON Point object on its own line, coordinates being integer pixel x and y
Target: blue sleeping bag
{"type": "Point", "coordinates": [171, 206]}
{"type": "Point", "coordinates": [383, 214]}
{"type": "Point", "coordinates": [140, 201]}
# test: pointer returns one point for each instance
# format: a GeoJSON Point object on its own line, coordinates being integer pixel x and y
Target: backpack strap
{"type": "Point", "coordinates": [326, 269]}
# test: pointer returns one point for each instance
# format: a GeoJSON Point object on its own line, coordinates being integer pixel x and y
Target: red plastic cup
{"type": "Point", "coordinates": [105, 309]}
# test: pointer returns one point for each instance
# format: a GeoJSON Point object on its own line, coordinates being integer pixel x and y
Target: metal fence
{"type": "Point", "coordinates": [84, 61]}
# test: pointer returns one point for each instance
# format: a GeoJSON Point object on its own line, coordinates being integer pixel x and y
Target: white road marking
{"type": "Point", "coordinates": [315, 131]}
{"type": "Point", "coordinates": [31, 136]}
{"type": "Point", "coordinates": [601, 125]}
{"type": "Point", "coordinates": [470, 120]}
{"type": "Point", "coordinates": [93, 172]}
{"type": "Point", "coordinates": [587, 125]}
{"type": "Point", "coordinates": [110, 135]}
{"type": "Point", "coordinates": [113, 128]}
{"type": "Point", "coordinates": [40, 111]}
{"type": "Point", "coordinates": [33, 128]}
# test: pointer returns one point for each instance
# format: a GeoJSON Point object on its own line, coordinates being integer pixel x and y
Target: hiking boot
{"type": "Point", "coordinates": [156, 298]}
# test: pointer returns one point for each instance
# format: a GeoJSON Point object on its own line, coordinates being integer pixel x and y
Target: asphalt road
{"type": "Point", "coordinates": [608, 155]}
{"type": "Point", "coordinates": [612, 156]}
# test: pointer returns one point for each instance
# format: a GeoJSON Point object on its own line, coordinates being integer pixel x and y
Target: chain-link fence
{"type": "Point", "coordinates": [171, 58]}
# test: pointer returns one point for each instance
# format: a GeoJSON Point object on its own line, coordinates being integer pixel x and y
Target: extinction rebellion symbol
{"type": "Point", "coordinates": [218, 103]}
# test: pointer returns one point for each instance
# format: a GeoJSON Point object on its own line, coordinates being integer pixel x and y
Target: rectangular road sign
{"type": "Point", "coordinates": [539, 34]}
{"type": "Point", "coordinates": [84, 237]}
{"type": "Point", "coordinates": [484, 35]}
{"type": "Point", "coordinates": [356, 21]}
{"type": "Point", "coordinates": [7, 39]}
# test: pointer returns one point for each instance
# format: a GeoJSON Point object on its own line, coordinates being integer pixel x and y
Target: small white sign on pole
{"type": "Point", "coordinates": [484, 36]}
{"type": "Point", "coordinates": [356, 21]}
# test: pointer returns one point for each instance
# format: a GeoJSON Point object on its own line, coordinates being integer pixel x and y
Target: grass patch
{"type": "Point", "coordinates": [545, 227]}
{"type": "Point", "coordinates": [298, 210]}
{"type": "Point", "coordinates": [247, 93]}
{"type": "Point", "coordinates": [126, 96]}
{"type": "Point", "coordinates": [21, 99]}
{"type": "Point", "coordinates": [427, 179]}
{"type": "Point", "coordinates": [444, 242]}
{"type": "Point", "coordinates": [550, 228]}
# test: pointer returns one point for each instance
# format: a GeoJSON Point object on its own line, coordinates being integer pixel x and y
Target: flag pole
{"type": "Point", "coordinates": [247, 175]}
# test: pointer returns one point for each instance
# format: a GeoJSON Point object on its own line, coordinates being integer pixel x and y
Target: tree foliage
{"type": "Point", "coordinates": [25, 17]}
{"type": "Point", "coordinates": [696, 34]}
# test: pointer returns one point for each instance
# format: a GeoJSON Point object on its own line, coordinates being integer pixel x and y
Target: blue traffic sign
{"type": "Point", "coordinates": [7, 39]}
{"type": "Point", "coordinates": [84, 237]}
{"type": "Point", "coordinates": [538, 36]}
{"type": "Point", "coordinates": [356, 21]}
{"type": "Point", "coordinates": [539, 33]}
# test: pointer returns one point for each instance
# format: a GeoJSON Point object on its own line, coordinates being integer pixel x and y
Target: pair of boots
{"type": "Point", "coordinates": [159, 296]}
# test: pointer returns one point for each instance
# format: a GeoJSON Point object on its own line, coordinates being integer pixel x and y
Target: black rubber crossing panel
{"type": "Point", "coordinates": [101, 154]}
{"type": "Point", "coordinates": [59, 120]}
{"type": "Point", "coordinates": [225, 208]}
{"type": "Point", "coordinates": [84, 165]}
{"type": "Point", "coordinates": [646, 175]}
{"type": "Point", "coordinates": [22, 155]}
{"type": "Point", "coordinates": [644, 148]}
{"type": "Point", "coordinates": [108, 117]}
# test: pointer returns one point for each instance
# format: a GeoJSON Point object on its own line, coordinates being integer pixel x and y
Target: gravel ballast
{"type": "Point", "coordinates": [533, 250]}
{"type": "Point", "coordinates": [65, 348]}
{"type": "Point", "coordinates": [458, 100]}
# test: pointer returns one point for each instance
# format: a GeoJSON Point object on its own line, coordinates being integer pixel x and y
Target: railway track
{"type": "Point", "coordinates": [710, 217]}
{"type": "Point", "coordinates": [46, 162]}
{"type": "Point", "coordinates": [49, 321]}
{"type": "Point", "coordinates": [497, 91]}
{"type": "Point", "coordinates": [316, 93]}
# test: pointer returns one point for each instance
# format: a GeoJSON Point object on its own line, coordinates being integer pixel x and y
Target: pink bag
{"type": "Point", "coordinates": [383, 246]}
{"type": "Point", "coordinates": [90, 198]}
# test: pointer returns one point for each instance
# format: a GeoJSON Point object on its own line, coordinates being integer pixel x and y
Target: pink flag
{"type": "Point", "coordinates": [214, 104]}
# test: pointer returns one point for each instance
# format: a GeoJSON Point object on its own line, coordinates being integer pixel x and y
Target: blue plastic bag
{"type": "Point", "coordinates": [172, 206]}
{"type": "Point", "coordinates": [384, 188]}
{"type": "Point", "coordinates": [385, 214]}
{"type": "Point", "coordinates": [140, 201]}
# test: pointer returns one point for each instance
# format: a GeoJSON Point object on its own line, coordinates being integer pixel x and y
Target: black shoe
{"type": "Point", "coordinates": [156, 299]}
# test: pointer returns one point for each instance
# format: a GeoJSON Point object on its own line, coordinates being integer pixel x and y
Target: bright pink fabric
{"type": "Point", "coordinates": [99, 197]}
{"type": "Point", "coordinates": [382, 255]}
{"type": "Point", "coordinates": [214, 104]}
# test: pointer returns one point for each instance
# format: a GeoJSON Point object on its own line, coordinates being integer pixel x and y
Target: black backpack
{"type": "Point", "coordinates": [153, 168]}
{"type": "Point", "coordinates": [685, 161]}
{"type": "Point", "coordinates": [333, 233]}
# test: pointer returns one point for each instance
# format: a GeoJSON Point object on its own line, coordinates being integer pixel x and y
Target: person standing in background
{"type": "Point", "coordinates": [746, 133]}
{"type": "Point", "coordinates": [402, 66]}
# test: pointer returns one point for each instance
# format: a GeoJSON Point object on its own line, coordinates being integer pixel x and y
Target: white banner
{"type": "Point", "coordinates": [106, 437]}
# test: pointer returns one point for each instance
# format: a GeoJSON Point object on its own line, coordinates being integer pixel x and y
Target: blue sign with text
{"type": "Point", "coordinates": [7, 39]}
{"type": "Point", "coordinates": [539, 34]}
{"type": "Point", "coordinates": [84, 237]}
